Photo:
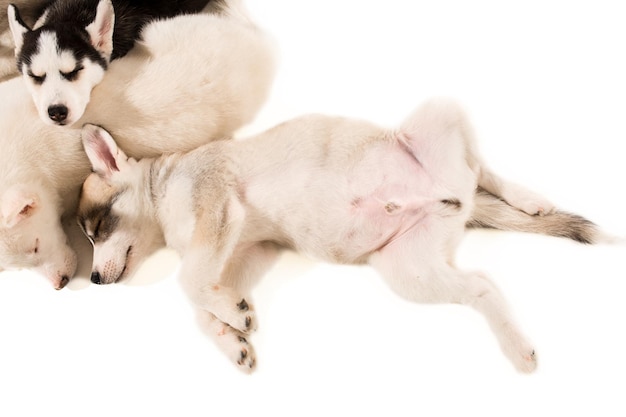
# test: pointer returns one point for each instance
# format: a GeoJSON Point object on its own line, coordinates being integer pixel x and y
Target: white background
{"type": "Point", "coordinates": [544, 82]}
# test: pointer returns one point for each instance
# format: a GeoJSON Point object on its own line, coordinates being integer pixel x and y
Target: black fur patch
{"type": "Point", "coordinates": [453, 202]}
{"type": "Point", "coordinates": [68, 19]}
{"type": "Point", "coordinates": [69, 39]}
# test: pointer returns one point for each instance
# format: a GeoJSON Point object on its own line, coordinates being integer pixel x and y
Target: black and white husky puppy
{"type": "Point", "coordinates": [68, 50]}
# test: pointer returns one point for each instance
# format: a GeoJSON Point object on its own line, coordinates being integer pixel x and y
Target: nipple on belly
{"type": "Point", "coordinates": [391, 207]}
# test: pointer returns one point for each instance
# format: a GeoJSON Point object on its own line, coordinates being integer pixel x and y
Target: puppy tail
{"type": "Point", "coordinates": [494, 213]}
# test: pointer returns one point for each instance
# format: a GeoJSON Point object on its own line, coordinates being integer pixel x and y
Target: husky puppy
{"type": "Point", "coordinates": [69, 48]}
{"type": "Point", "coordinates": [190, 80]}
{"type": "Point", "coordinates": [336, 189]}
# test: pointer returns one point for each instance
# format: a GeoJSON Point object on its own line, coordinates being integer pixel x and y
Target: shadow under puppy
{"type": "Point", "coordinates": [336, 189]}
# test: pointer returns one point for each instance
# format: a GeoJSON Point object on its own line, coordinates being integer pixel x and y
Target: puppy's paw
{"type": "Point", "coordinates": [532, 204]}
{"type": "Point", "coordinates": [526, 361]}
{"type": "Point", "coordinates": [537, 207]}
{"type": "Point", "coordinates": [235, 345]}
{"type": "Point", "coordinates": [244, 356]}
{"type": "Point", "coordinates": [244, 319]}
{"type": "Point", "coordinates": [521, 353]}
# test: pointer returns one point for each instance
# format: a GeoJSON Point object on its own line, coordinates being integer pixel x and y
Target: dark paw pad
{"type": "Point", "coordinates": [242, 356]}
{"type": "Point", "coordinates": [243, 305]}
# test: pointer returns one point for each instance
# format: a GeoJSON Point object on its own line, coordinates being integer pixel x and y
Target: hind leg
{"type": "Point", "coordinates": [514, 194]}
{"type": "Point", "coordinates": [451, 115]}
{"type": "Point", "coordinates": [416, 267]}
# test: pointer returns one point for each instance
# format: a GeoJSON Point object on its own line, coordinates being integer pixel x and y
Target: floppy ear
{"type": "Point", "coordinates": [18, 27]}
{"type": "Point", "coordinates": [17, 205]}
{"type": "Point", "coordinates": [105, 156]}
{"type": "Point", "coordinates": [101, 29]}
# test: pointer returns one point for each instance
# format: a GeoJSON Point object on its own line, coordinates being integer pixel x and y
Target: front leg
{"type": "Point", "coordinates": [204, 264]}
{"type": "Point", "coordinates": [203, 283]}
{"type": "Point", "coordinates": [230, 341]}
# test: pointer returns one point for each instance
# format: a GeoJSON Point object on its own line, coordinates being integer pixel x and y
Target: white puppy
{"type": "Point", "coordinates": [190, 80]}
{"type": "Point", "coordinates": [336, 189]}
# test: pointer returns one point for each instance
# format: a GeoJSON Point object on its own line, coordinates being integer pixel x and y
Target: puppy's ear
{"type": "Point", "coordinates": [18, 27]}
{"type": "Point", "coordinates": [105, 156]}
{"type": "Point", "coordinates": [101, 29]}
{"type": "Point", "coordinates": [17, 205]}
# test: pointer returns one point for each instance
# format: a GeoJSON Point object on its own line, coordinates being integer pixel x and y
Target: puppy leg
{"type": "Point", "coordinates": [243, 269]}
{"type": "Point", "coordinates": [202, 270]}
{"type": "Point", "coordinates": [515, 195]}
{"type": "Point", "coordinates": [416, 268]}
{"type": "Point", "coordinates": [443, 118]}
{"type": "Point", "coordinates": [248, 264]}
{"type": "Point", "coordinates": [230, 341]}
{"type": "Point", "coordinates": [201, 278]}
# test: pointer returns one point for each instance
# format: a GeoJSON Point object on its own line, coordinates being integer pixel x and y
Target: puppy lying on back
{"type": "Point", "coordinates": [69, 48]}
{"type": "Point", "coordinates": [336, 189]}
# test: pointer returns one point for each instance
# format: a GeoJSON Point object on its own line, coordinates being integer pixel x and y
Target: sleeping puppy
{"type": "Point", "coordinates": [335, 189]}
{"type": "Point", "coordinates": [162, 103]}
{"type": "Point", "coordinates": [68, 50]}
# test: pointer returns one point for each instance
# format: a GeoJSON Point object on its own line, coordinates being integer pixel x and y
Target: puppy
{"type": "Point", "coordinates": [70, 46]}
{"type": "Point", "coordinates": [166, 105]}
{"type": "Point", "coordinates": [335, 189]}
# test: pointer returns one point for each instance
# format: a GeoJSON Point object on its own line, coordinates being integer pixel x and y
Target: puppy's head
{"type": "Point", "coordinates": [31, 235]}
{"type": "Point", "coordinates": [61, 64]}
{"type": "Point", "coordinates": [115, 209]}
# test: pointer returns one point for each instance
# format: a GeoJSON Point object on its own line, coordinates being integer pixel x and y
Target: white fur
{"type": "Point", "coordinates": [336, 189]}
{"type": "Point", "coordinates": [160, 98]}
{"type": "Point", "coordinates": [101, 29]}
{"type": "Point", "coordinates": [17, 29]}
{"type": "Point", "coordinates": [45, 73]}
{"type": "Point", "coordinates": [56, 90]}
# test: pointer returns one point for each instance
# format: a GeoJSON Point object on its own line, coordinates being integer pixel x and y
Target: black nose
{"type": "Point", "coordinates": [95, 277]}
{"type": "Point", "coordinates": [57, 113]}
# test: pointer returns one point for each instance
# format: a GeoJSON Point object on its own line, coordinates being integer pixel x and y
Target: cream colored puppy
{"type": "Point", "coordinates": [335, 189]}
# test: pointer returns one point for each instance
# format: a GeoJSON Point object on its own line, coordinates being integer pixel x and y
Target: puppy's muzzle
{"type": "Point", "coordinates": [58, 113]}
{"type": "Point", "coordinates": [96, 278]}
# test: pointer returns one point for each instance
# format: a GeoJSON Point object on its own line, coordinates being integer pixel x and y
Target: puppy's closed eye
{"type": "Point", "coordinates": [37, 79]}
{"type": "Point", "coordinates": [72, 75]}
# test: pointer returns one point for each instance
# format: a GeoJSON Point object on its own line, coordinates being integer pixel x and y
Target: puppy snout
{"type": "Point", "coordinates": [96, 278]}
{"type": "Point", "coordinates": [62, 283]}
{"type": "Point", "coordinates": [58, 113]}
